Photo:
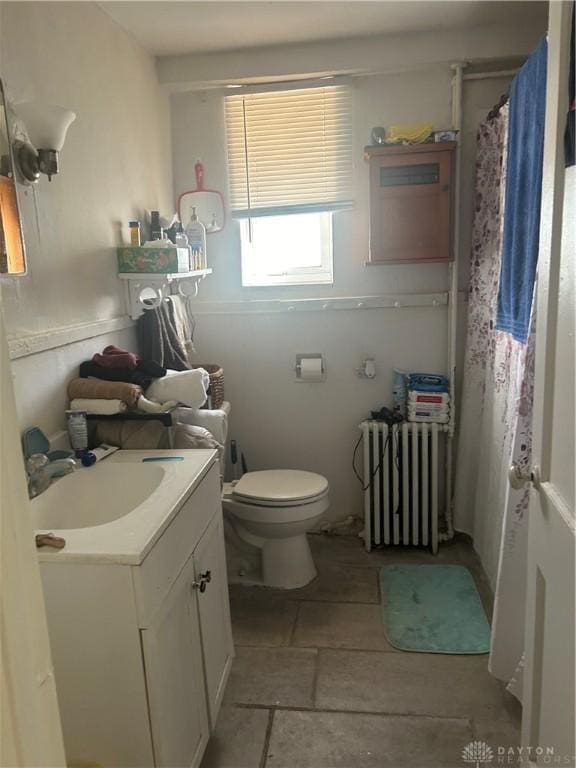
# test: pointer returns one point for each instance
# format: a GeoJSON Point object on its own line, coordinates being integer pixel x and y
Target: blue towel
{"type": "Point", "coordinates": [523, 193]}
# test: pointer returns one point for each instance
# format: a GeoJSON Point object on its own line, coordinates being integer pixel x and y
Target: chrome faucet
{"type": "Point", "coordinates": [41, 471]}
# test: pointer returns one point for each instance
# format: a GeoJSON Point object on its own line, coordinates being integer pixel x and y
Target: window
{"type": "Point", "coordinates": [290, 167]}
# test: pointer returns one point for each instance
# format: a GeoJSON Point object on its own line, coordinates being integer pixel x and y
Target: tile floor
{"type": "Point", "coordinates": [315, 684]}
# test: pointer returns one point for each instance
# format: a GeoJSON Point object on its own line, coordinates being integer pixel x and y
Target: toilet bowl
{"type": "Point", "coordinates": [267, 515]}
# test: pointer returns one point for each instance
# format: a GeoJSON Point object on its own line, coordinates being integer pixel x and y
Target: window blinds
{"type": "Point", "coordinates": [289, 151]}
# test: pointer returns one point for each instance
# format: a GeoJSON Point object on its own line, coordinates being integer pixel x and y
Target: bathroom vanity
{"type": "Point", "coordinates": [137, 606]}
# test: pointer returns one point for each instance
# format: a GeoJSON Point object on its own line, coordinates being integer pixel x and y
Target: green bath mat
{"type": "Point", "coordinates": [433, 609]}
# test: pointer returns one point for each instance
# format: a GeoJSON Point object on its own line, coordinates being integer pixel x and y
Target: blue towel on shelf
{"type": "Point", "coordinates": [523, 193]}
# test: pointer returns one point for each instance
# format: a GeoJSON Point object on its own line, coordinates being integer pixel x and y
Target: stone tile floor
{"type": "Point", "coordinates": [315, 683]}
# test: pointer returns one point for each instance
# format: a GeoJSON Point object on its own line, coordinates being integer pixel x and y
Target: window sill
{"type": "Point", "coordinates": [280, 281]}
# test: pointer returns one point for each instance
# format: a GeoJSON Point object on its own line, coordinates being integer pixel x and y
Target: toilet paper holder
{"type": "Point", "coordinates": [310, 367]}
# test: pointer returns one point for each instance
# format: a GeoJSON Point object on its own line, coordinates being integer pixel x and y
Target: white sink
{"type": "Point", "coordinates": [114, 511]}
{"type": "Point", "coordinates": [95, 496]}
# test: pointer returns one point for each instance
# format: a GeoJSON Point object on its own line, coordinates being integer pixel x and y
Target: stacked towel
{"type": "Point", "coordinates": [186, 387]}
{"type": "Point", "coordinates": [115, 364]}
{"type": "Point", "coordinates": [428, 398]}
{"type": "Point", "coordinates": [104, 390]}
{"type": "Point", "coordinates": [101, 407]}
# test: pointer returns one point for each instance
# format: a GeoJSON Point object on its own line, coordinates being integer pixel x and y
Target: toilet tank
{"type": "Point", "coordinates": [215, 421]}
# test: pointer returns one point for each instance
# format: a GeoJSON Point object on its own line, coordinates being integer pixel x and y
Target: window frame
{"type": "Point", "coordinates": [252, 274]}
{"type": "Point", "coordinates": [316, 275]}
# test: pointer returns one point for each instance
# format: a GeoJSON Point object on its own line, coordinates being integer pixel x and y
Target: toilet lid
{"type": "Point", "coordinates": [280, 485]}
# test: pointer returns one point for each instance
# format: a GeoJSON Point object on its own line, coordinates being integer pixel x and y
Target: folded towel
{"type": "Point", "coordinates": [215, 421]}
{"type": "Point", "coordinates": [187, 387]}
{"type": "Point", "coordinates": [186, 436]}
{"type": "Point", "coordinates": [114, 357]}
{"type": "Point", "coordinates": [105, 390]}
{"type": "Point", "coordinates": [101, 407]}
{"type": "Point", "coordinates": [133, 435]}
{"type": "Point", "coordinates": [92, 370]}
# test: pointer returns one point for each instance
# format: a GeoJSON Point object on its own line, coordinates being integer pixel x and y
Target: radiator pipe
{"type": "Point", "coordinates": [457, 87]}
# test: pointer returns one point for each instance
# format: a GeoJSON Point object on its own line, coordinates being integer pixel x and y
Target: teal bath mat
{"type": "Point", "coordinates": [433, 609]}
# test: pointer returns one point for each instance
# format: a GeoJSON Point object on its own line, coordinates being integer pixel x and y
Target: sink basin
{"type": "Point", "coordinates": [114, 511]}
{"type": "Point", "coordinates": [90, 497]}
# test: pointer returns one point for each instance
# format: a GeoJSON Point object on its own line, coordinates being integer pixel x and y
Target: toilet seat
{"type": "Point", "coordinates": [280, 488]}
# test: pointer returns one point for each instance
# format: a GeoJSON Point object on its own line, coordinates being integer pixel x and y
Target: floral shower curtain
{"type": "Point", "coordinates": [496, 408]}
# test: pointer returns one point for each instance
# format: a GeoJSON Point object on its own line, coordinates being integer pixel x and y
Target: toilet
{"type": "Point", "coordinates": [267, 515]}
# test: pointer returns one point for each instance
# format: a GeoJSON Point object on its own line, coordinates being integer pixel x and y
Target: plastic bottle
{"type": "Point", "coordinates": [134, 233]}
{"type": "Point", "coordinates": [77, 430]}
{"type": "Point", "coordinates": [399, 392]}
{"type": "Point", "coordinates": [196, 233]}
{"type": "Point", "coordinates": [155, 228]}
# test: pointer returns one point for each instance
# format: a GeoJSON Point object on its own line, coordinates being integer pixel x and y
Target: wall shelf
{"type": "Point", "coordinates": [147, 290]}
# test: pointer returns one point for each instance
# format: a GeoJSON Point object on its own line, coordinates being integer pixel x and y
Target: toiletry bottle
{"type": "Point", "coordinates": [155, 228]}
{"type": "Point", "coordinates": [196, 232]}
{"type": "Point", "coordinates": [134, 233]}
{"type": "Point", "coordinates": [182, 242]}
{"type": "Point", "coordinates": [77, 431]}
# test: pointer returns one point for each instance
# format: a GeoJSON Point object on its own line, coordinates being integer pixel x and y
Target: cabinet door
{"type": "Point", "coordinates": [173, 664]}
{"type": "Point", "coordinates": [410, 199]}
{"type": "Point", "coordinates": [214, 612]}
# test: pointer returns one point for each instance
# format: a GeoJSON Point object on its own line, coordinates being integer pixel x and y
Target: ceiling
{"type": "Point", "coordinates": [172, 28]}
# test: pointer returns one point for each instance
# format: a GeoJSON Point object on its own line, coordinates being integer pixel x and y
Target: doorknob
{"type": "Point", "coordinates": [518, 477]}
{"type": "Point", "coordinates": [205, 578]}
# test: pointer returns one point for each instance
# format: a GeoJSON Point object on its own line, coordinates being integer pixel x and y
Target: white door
{"type": "Point", "coordinates": [175, 679]}
{"type": "Point", "coordinates": [549, 716]}
{"type": "Point", "coordinates": [30, 732]}
{"type": "Point", "coordinates": [214, 612]}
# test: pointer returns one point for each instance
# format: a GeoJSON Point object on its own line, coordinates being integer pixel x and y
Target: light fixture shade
{"type": "Point", "coordinates": [46, 124]}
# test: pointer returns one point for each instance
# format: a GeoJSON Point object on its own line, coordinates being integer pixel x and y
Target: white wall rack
{"type": "Point", "coordinates": [146, 290]}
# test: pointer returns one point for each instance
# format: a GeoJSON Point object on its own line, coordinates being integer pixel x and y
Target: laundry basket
{"type": "Point", "coordinates": [216, 388]}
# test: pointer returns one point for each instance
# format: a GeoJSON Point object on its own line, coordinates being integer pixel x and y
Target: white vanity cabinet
{"type": "Point", "coordinates": [142, 652]}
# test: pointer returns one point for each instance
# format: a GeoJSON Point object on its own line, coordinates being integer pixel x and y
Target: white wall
{"type": "Point", "coordinates": [115, 163]}
{"type": "Point", "coordinates": [280, 423]}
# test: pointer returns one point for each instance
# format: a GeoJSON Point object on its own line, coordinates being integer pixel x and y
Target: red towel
{"type": "Point", "coordinates": [114, 357]}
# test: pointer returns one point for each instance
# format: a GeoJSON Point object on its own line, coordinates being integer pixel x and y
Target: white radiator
{"type": "Point", "coordinates": [403, 483]}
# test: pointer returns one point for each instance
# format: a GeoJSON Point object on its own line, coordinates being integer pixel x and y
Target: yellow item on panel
{"type": "Point", "coordinates": [414, 133]}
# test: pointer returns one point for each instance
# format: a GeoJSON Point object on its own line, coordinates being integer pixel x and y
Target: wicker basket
{"type": "Point", "coordinates": [216, 388]}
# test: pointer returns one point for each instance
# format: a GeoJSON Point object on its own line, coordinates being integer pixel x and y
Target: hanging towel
{"type": "Point", "coordinates": [523, 192]}
{"type": "Point", "coordinates": [183, 324]}
{"type": "Point", "coordinates": [158, 338]}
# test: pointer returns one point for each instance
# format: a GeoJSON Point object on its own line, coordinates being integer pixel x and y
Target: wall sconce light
{"type": "Point", "coordinates": [46, 126]}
